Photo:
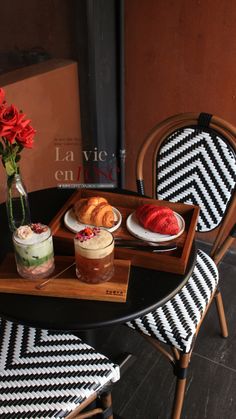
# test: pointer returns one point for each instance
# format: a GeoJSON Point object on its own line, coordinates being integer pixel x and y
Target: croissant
{"type": "Point", "coordinates": [95, 211]}
{"type": "Point", "coordinates": [157, 219]}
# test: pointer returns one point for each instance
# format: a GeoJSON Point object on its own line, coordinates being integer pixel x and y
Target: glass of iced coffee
{"type": "Point", "coordinates": [94, 255]}
{"type": "Point", "coordinates": [34, 253]}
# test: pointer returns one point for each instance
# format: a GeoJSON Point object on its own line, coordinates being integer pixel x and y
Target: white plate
{"type": "Point", "coordinates": [140, 232]}
{"type": "Point", "coordinates": [74, 225]}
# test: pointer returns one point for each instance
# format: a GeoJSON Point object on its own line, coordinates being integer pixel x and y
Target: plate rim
{"type": "Point", "coordinates": [165, 237]}
{"type": "Point", "coordinates": [111, 229]}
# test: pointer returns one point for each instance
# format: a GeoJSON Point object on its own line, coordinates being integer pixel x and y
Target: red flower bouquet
{"type": "Point", "coordinates": [16, 134]}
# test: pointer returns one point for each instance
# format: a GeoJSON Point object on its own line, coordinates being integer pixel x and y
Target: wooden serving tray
{"type": "Point", "coordinates": [174, 261]}
{"type": "Point", "coordinates": [67, 285]}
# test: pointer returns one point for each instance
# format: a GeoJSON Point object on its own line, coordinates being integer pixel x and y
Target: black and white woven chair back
{"type": "Point", "coordinates": [197, 166]}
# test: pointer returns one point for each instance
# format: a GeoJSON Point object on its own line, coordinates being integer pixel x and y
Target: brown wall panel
{"type": "Point", "coordinates": [48, 93]}
{"type": "Point", "coordinates": [48, 24]}
{"type": "Point", "coordinates": [180, 56]}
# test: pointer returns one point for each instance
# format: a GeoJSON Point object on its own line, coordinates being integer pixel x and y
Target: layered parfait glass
{"type": "Point", "coordinates": [94, 255]}
{"type": "Point", "coordinates": [34, 253]}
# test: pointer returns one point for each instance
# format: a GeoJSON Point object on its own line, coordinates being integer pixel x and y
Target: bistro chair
{"type": "Point", "coordinates": [193, 162]}
{"type": "Point", "coordinates": [46, 374]}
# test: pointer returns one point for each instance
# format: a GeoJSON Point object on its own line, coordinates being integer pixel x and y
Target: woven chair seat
{"type": "Point", "coordinates": [46, 374]}
{"type": "Point", "coordinates": [176, 322]}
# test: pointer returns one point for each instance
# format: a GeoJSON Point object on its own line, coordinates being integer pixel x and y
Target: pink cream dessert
{"type": "Point", "coordinates": [34, 251]}
{"type": "Point", "coordinates": [94, 255]}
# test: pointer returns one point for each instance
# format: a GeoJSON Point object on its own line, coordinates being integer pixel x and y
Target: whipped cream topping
{"type": "Point", "coordinates": [94, 242]}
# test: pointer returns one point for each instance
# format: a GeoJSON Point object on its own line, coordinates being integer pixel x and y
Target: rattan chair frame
{"type": "Point", "coordinates": [180, 361]}
{"type": "Point", "coordinates": [104, 410]}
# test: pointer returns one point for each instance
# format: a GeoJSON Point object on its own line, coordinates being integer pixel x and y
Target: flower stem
{"type": "Point", "coordinates": [16, 209]}
{"type": "Point", "coordinates": [10, 209]}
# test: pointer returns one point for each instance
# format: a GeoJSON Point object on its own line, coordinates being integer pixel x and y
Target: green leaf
{"type": "Point", "coordinates": [1, 148]}
{"type": "Point", "coordinates": [14, 151]}
{"type": "Point", "coordinates": [18, 157]}
{"type": "Point", "coordinates": [20, 147]}
{"type": "Point", "coordinates": [10, 169]}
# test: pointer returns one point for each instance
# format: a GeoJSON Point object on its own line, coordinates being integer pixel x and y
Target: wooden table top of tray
{"type": "Point", "coordinates": [66, 284]}
{"type": "Point", "coordinates": [173, 261]}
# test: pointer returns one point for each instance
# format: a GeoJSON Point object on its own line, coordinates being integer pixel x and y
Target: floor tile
{"type": "Point", "coordinates": [209, 342]}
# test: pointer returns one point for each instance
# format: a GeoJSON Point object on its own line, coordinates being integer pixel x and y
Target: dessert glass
{"type": "Point", "coordinates": [94, 255]}
{"type": "Point", "coordinates": [34, 253]}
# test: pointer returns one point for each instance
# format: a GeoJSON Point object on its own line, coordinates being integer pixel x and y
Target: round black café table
{"type": "Point", "coordinates": [148, 289]}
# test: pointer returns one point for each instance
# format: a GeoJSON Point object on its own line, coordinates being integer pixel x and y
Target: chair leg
{"type": "Point", "coordinates": [181, 373]}
{"type": "Point", "coordinates": [106, 401]}
{"type": "Point", "coordinates": [221, 314]}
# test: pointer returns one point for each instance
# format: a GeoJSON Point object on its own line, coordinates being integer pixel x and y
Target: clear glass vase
{"type": "Point", "coordinates": [17, 204]}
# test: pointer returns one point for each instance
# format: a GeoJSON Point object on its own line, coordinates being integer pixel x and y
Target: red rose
{"type": "Point", "coordinates": [10, 116]}
{"type": "Point", "coordinates": [11, 122]}
{"type": "Point", "coordinates": [16, 134]}
{"type": "Point", "coordinates": [2, 96]}
{"type": "Point", "coordinates": [26, 136]}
